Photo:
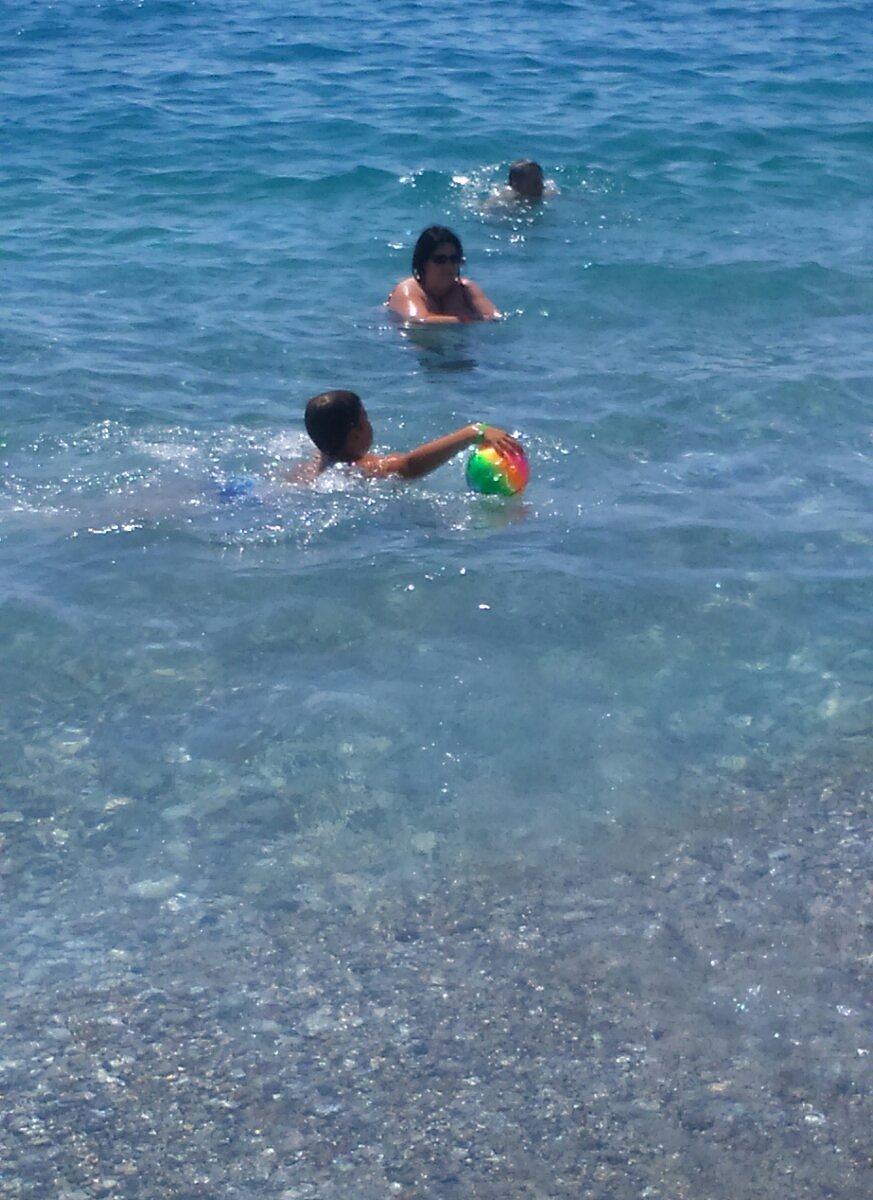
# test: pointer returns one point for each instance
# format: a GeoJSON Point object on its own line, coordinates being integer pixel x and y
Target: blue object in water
{"type": "Point", "coordinates": [241, 488]}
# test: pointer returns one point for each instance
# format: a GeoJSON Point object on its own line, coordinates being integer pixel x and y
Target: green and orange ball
{"type": "Point", "coordinates": [494, 473]}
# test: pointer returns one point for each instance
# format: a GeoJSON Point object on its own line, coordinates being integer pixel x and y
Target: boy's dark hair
{"type": "Point", "coordinates": [330, 417]}
{"type": "Point", "coordinates": [428, 240]}
{"type": "Point", "coordinates": [523, 172]}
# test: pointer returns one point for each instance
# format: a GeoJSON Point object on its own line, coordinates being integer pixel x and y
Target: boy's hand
{"type": "Point", "coordinates": [501, 440]}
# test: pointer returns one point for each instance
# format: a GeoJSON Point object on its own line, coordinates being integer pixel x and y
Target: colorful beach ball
{"type": "Point", "coordinates": [493, 473]}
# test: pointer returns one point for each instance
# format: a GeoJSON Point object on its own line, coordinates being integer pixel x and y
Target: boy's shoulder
{"type": "Point", "coordinates": [378, 466]}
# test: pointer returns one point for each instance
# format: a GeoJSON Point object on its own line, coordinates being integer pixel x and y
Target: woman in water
{"type": "Point", "coordinates": [436, 292]}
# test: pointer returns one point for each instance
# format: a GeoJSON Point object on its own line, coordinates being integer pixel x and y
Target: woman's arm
{"type": "Point", "coordinates": [479, 302]}
{"type": "Point", "coordinates": [409, 301]}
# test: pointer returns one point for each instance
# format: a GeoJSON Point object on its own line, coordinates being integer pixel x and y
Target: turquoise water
{"type": "Point", "coordinates": [204, 207]}
{"type": "Point", "coordinates": [200, 237]}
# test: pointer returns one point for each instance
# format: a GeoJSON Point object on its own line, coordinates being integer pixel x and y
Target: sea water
{"type": "Point", "coordinates": [234, 701]}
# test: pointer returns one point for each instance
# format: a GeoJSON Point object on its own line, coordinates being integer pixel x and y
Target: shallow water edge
{"type": "Point", "coordinates": [681, 1013]}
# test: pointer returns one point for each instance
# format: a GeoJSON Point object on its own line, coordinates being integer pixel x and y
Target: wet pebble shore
{"type": "Point", "coordinates": [671, 1015]}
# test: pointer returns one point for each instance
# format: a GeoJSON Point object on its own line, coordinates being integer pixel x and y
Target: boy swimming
{"type": "Point", "coordinates": [339, 426]}
{"type": "Point", "coordinates": [527, 184]}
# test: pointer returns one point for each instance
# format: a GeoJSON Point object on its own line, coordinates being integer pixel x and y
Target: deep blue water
{"type": "Point", "coordinates": [204, 207]}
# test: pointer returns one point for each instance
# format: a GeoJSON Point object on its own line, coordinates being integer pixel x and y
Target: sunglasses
{"type": "Point", "coordinates": [441, 259]}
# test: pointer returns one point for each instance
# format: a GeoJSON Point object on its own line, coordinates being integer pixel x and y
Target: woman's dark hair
{"type": "Point", "coordinates": [330, 417]}
{"type": "Point", "coordinates": [427, 242]}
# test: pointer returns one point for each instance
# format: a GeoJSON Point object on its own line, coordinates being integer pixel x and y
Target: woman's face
{"type": "Point", "coordinates": [442, 269]}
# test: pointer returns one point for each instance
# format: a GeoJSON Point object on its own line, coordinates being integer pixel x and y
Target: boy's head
{"type": "Point", "coordinates": [338, 424]}
{"type": "Point", "coordinates": [526, 178]}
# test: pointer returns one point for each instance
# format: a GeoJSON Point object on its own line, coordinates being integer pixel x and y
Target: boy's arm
{"type": "Point", "coordinates": [431, 455]}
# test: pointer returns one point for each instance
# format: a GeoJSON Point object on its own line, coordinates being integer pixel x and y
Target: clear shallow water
{"type": "Point", "coordinates": [205, 206]}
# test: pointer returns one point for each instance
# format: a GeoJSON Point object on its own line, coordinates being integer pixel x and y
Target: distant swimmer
{"type": "Point", "coordinates": [526, 184]}
{"type": "Point", "coordinates": [436, 292]}
{"type": "Point", "coordinates": [339, 426]}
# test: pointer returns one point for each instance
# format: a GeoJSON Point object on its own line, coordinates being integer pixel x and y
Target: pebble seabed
{"type": "Point", "coordinates": [680, 1014]}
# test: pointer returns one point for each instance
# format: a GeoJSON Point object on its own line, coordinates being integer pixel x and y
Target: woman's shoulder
{"type": "Point", "coordinates": [406, 287]}
{"type": "Point", "coordinates": [407, 297]}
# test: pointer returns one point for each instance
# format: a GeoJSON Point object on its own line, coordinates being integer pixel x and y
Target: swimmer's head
{"type": "Point", "coordinates": [428, 241]}
{"type": "Point", "coordinates": [338, 424]}
{"type": "Point", "coordinates": [526, 179]}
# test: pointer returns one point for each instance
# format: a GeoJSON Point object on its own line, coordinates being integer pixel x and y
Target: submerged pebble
{"type": "Point", "coordinates": [154, 889]}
